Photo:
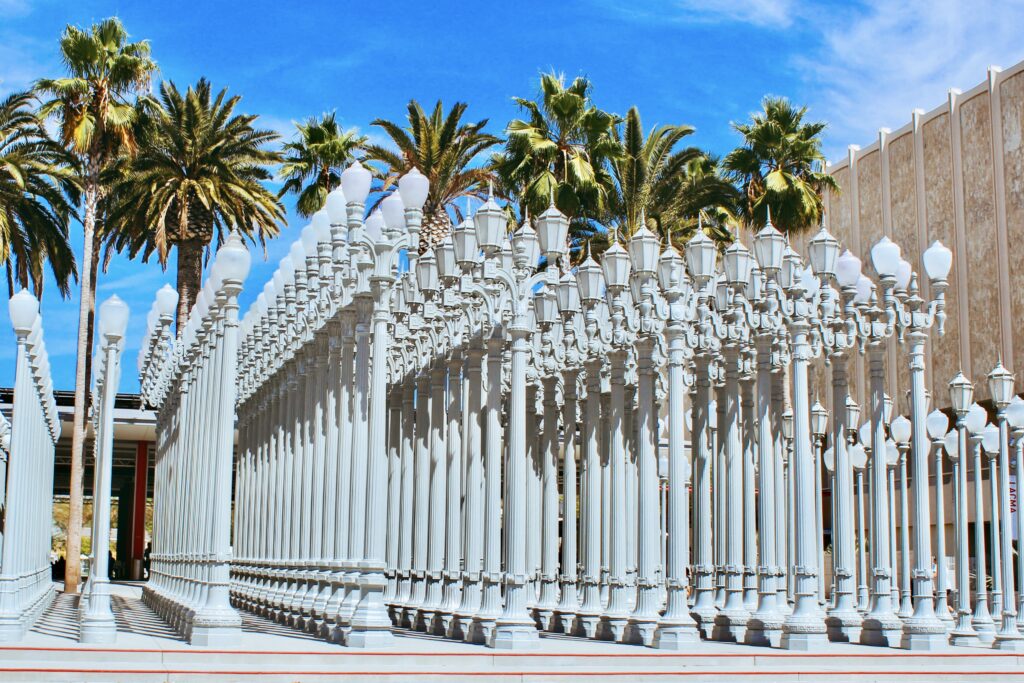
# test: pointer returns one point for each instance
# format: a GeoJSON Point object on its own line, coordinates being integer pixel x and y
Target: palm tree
{"type": "Point", "coordinates": [699, 196]}
{"type": "Point", "coordinates": [95, 116]}
{"type": "Point", "coordinates": [561, 151]}
{"type": "Point", "coordinates": [37, 184]}
{"type": "Point", "coordinates": [670, 191]}
{"type": "Point", "coordinates": [198, 174]}
{"type": "Point", "coordinates": [312, 164]}
{"type": "Point", "coordinates": [643, 172]}
{"type": "Point", "coordinates": [780, 166]}
{"type": "Point", "coordinates": [443, 149]}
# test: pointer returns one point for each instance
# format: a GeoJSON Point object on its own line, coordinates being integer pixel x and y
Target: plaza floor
{"type": "Point", "coordinates": [147, 650]}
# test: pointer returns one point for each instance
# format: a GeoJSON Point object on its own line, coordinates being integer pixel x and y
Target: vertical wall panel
{"type": "Point", "coordinates": [1012, 92]}
{"type": "Point", "coordinates": [904, 233]}
{"type": "Point", "coordinates": [938, 173]}
{"type": "Point", "coordinates": [980, 224]}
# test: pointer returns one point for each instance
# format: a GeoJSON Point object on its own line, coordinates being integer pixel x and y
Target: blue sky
{"type": "Point", "coordinates": [859, 66]}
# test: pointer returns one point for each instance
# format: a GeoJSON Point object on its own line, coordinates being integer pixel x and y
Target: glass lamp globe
{"type": "Point", "coordinates": [393, 211]}
{"type": "Point", "coordinates": [951, 444]}
{"type": "Point", "coordinates": [990, 438]}
{"type": "Point", "coordinates": [858, 457]}
{"type": "Point", "coordinates": [892, 453]}
{"type": "Point", "coordinates": [900, 429]}
{"type": "Point", "coordinates": [1000, 384]}
{"type": "Point", "coordinates": [490, 223]}
{"type": "Point", "coordinates": [234, 259]}
{"type": "Point", "coordinates": [823, 251]}
{"type": "Point", "coordinates": [321, 223]}
{"type": "Point", "coordinates": [819, 419]}
{"type": "Point", "coordinates": [937, 424]}
{"type": "Point", "coordinates": [976, 419]}
{"type": "Point", "coordinates": [355, 183]}
{"type": "Point", "coordinates": [546, 307]}
{"type": "Point", "coordinates": [445, 253]}
{"type": "Point", "coordinates": [616, 266]}
{"type": "Point", "coordinates": [670, 269]}
{"type": "Point", "coordinates": [507, 256]}
{"type": "Point", "coordinates": [787, 424]}
{"type": "Point", "coordinates": [885, 257]}
{"type": "Point", "coordinates": [308, 239]}
{"type": "Point", "coordinates": [374, 226]}
{"type": "Point", "coordinates": [643, 251]}
{"type": "Point", "coordinates": [270, 293]}
{"type": "Point", "coordinates": [1015, 413]}
{"type": "Point", "coordinates": [464, 240]}
{"type": "Point", "coordinates": [904, 272]}
{"type": "Point", "coordinates": [166, 300]}
{"type": "Point", "coordinates": [736, 263]}
{"type": "Point", "coordinates": [336, 206]}
{"type": "Point", "coordinates": [887, 405]}
{"type": "Point", "coordinates": [852, 413]}
{"type": "Point", "coordinates": [790, 268]}
{"type": "Point", "coordinates": [721, 294]}
{"type": "Point", "coordinates": [553, 232]}
{"type": "Point", "coordinates": [865, 434]}
{"type": "Point", "coordinates": [938, 261]}
{"type": "Point", "coordinates": [413, 188]}
{"type": "Point", "coordinates": [769, 247]}
{"type": "Point", "coordinates": [864, 288]}
{"type": "Point", "coordinates": [427, 275]}
{"type": "Point", "coordinates": [848, 269]}
{"type": "Point", "coordinates": [568, 294]}
{"type": "Point", "coordinates": [525, 246]}
{"type": "Point", "coordinates": [23, 308]}
{"type": "Point", "coordinates": [590, 280]}
{"type": "Point", "coordinates": [297, 257]}
{"type": "Point", "coordinates": [961, 392]}
{"type": "Point", "coordinates": [700, 257]}
{"type": "Point", "coordinates": [829, 458]}
{"type": "Point", "coordinates": [114, 315]}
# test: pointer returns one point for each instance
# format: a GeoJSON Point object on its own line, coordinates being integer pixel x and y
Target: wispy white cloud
{"type": "Point", "coordinates": [865, 65]}
{"type": "Point", "coordinates": [876, 63]}
{"type": "Point", "coordinates": [767, 13]}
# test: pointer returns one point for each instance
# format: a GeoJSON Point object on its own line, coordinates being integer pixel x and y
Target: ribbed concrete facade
{"type": "Point", "coordinates": [954, 174]}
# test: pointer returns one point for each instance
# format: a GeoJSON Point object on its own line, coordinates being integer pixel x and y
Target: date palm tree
{"type": "Point", "coordinates": [313, 163]}
{"type": "Point", "coordinates": [198, 174]}
{"type": "Point", "coordinates": [667, 189]}
{"type": "Point", "coordinates": [37, 185]}
{"type": "Point", "coordinates": [444, 149]}
{"type": "Point", "coordinates": [780, 165]}
{"type": "Point", "coordinates": [561, 150]}
{"type": "Point", "coordinates": [94, 112]}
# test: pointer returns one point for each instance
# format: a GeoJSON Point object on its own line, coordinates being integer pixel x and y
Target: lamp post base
{"type": "Point", "coordinates": [730, 626]}
{"type": "Point", "coordinates": [844, 626]}
{"type": "Point", "coordinates": [675, 636]}
{"type": "Point", "coordinates": [585, 625]}
{"type": "Point", "coordinates": [764, 630]}
{"type": "Point", "coordinates": [611, 628]}
{"type": "Point", "coordinates": [97, 631]}
{"type": "Point", "coordinates": [640, 631]}
{"type": "Point", "coordinates": [514, 635]}
{"type": "Point", "coordinates": [881, 631]}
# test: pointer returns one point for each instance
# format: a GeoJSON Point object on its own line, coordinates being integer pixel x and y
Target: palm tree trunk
{"type": "Point", "coordinates": [190, 277]}
{"type": "Point", "coordinates": [86, 308]}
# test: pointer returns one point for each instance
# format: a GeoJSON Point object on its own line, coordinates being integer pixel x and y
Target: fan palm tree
{"type": "Point", "coordinates": [780, 166]}
{"type": "Point", "coordinates": [37, 185]}
{"type": "Point", "coordinates": [561, 150]}
{"type": "Point", "coordinates": [313, 163]}
{"type": "Point", "coordinates": [198, 174]}
{"type": "Point", "coordinates": [444, 149]}
{"type": "Point", "coordinates": [95, 115]}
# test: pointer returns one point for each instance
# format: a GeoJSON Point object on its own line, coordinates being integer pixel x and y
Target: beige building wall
{"type": "Point", "coordinates": [953, 174]}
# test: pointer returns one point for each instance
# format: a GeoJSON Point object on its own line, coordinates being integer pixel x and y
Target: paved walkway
{"type": "Point", "coordinates": [147, 650]}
